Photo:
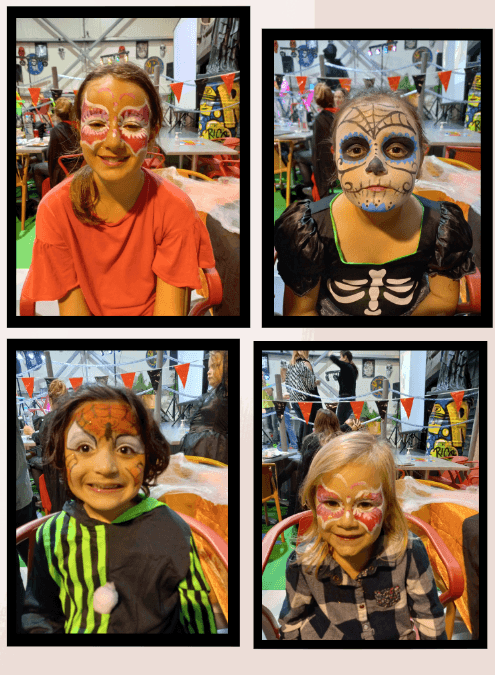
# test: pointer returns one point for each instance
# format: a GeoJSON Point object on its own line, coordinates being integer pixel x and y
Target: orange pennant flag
{"type": "Point", "coordinates": [75, 382]}
{"type": "Point", "coordinates": [458, 396]}
{"type": "Point", "coordinates": [29, 384]}
{"type": "Point", "coordinates": [345, 83]}
{"type": "Point", "coordinates": [128, 379]}
{"type": "Point", "coordinates": [176, 87]}
{"type": "Point", "coordinates": [394, 82]}
{"type": "Point", "coordinates": [35, 94]}
{"type": "Point", "coordinates": [182, 371]}
{"type": "Point", "coordinates": [228, 81]}
{"type": "Point", "coordinates": [445, 78]}
{"type": "Point", "coordinates": [357, 407]}
{"type": "Point", "coordinates": [407, 404]}
{"type": "Point", "coordinates": [301, 82]}
{"type": "Point", "coordinates": [306, 409]}
{"type": "Point", "coordinates": [75, 92]}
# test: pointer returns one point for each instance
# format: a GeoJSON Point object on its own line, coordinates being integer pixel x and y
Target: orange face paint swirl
{"type": "Point", "coordinates": [105, 419]}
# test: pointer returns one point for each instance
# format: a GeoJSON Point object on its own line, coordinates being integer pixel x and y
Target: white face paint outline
{"type": "Point", "coordinates": [376, 167]}
{"type": "Point", "coordinates": [126, 133]}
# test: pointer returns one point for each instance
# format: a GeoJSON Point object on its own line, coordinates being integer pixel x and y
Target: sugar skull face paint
{"type": "Point", "coordinates": [105, 458]}
{"type": "Point", "coordinates": [115, 128]}
{"type": "Point", "coordinates": [378, 155]}
{"type": "Point", "coordinates": [350, 509]}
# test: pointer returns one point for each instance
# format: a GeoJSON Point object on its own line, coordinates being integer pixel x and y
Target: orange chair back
{"type": "Point", "coordinates": [60, 162]}
{"type": "Point", "coordinates": [470, 294]}
{"type": "Point", "coordinates": [468, 155]}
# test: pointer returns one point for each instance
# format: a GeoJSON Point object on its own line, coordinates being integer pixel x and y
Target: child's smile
{"type": "Point", "coordinates": [105, 458]}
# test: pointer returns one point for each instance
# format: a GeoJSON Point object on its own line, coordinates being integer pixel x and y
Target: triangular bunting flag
{"type": "Point", "coordinates": [407, 404]}
{"type": "Point", "coordinates": [275, 46]}
{"type": "Point", "coordinates": [128, 379]}
{"type": "Point", "coordinates": [280, 408]}
{"type": "Point", "coordinates": [306, 409]}
{"type": "Point", "coordinates": [419, 81]}
{"type": "Point", "coordinates": [154, 376]}
{"type": "Point", "coordinates": [345, 83]}
{"type": "Point", "coordinates": [332, 406]}
{"type": "Point", "coordinates": [75, 382]}
{"type": "Point", "coordinates": [176, 87]}
{"type": "Point", "coordinates": [382, 408]}
{"type": "Point", "coordinates": [35, 94]}
{"type": "Point", "coordinates": [445, 78]}
{"type": "Point", "coordinates": [75, 91]}
{"type": "Point", "coordinates": [29, 384]}
{"type": "Point", "coordinates": [394, 82]}
{"type": "Point", "coordinates": [228, 81]}
{"type": "Point", "coordinates": [18, 97]}
{"type": "Point", "coordinates": [301, 83]}
{"type": "Point", "coordinates": [458, 396]}
{"type": "Point", "coordinates": [357, 408]}
{"type": "Point", "coordinates": [182, 372]}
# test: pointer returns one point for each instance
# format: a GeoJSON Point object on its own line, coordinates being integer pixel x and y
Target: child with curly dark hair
{"type": "Point", "coordinates": [113, 560]}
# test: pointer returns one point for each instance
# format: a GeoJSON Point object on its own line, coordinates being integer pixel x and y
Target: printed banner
{"type": "Point", "coordinates": [305, 409]}
{"type": "Point", "coordinates": [128, 379]}
{"type": "Point", "coordinates": [182, 372]}
{"type": "Point", "coordinates": [176, 87]}
{"type": "Point", "coordinates": [445, 78]}
{"type": "Point", "coordinates": [394, 82]}
{"type": "Point", "coordinates": [407, 404]}
{"type": "Point", "coordinates": [301, 83]}
{"type": "Point", "coordinates": [357, 408]}
{"type": "Point", "coordinates": [29, 384]}
{"type": "Point", "coordinates": [75, 382]}
{"type": "Point", "coordinates": [228, 81]}
{"type": "Point", "coordinates": [154, 376]}
{"type": "Point", "coordinates": [280, 408]}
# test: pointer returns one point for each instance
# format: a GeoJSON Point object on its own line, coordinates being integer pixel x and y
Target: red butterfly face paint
{"type": "Point", "coordinates": [350, 509]}
{"type": "Point", "coordinates": [105, 458]}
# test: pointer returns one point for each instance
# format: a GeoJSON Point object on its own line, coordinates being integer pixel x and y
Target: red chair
{"type": "Point", "coordinates": [213, 162]}
{"type": "Point", "coordinates": [314, 193]}
{"type": "Point", "coordinates": [28, 531]}
{"type": "Point", "coordinates": [227, 167]}
{"type": "Point", "coordinates": [60, 162]}
{"type": "Point", "coordinates": [470, 294]}
{"type": "Point", "coordinates": [154, 160]}
{"type": "Point", "coordinates": [45, 187]}
{"type": "Point", "coordinates": [45, 497]}
{"type": "Point", "coordinates": [450, 478]}
{"type": "Point", "coordinates": [456, 580]}
{"type": "Point", "coordinates": [471, 156]}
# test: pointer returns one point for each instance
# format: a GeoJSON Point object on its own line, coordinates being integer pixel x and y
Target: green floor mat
{"type": "Point", "coordinates": [25, 238]}
{"type": "Point", "coordinates": [274, 574]}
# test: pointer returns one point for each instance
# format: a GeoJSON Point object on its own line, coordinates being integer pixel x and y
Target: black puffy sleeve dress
{"type": "Point", "coordinates": [208, 432]}
{"type": "Point", "coordinates": [308, 251]}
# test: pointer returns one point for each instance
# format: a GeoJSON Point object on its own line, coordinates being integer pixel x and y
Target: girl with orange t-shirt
{"type": "Point", "coordinates": [115, 239]}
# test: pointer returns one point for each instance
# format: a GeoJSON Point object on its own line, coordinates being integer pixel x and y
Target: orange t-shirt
{"type": "Point", "coordinates": [116, 266]}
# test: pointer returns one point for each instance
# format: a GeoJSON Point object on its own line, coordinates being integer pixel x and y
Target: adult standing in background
{"type": "Point", "coordinates": [323, 159]}
{"type": "Point", "coordinates": [301, 378]}
{"type": "Point", "coordinates": [269, 421]}
{"type": "Point", "coordinates": [347, 383]}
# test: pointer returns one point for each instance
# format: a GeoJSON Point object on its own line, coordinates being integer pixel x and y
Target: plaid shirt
{"type": "Point", "coordinates": [378, 605]}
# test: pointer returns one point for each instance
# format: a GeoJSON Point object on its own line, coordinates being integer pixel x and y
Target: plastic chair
{"type": "Point", "coordinates": [45, 497]}
{"type": "Point", "coordinates": [227, 167]}
{"type": "Point", "coordinates": [456, 580]}
{"type": "Point", "coordinates": [270, 491]}
{"type": "Point", "coordinates": [469, 155]}
{"type": "Point", "coordinates": [187, 173]}
{"type": "Point", "coordinates": [470, 294]}
{"type": "Point", "coordinates": [280, 167]}
{"type": "Point", "coordinates": [205, 460]}
{"type": "Point", "coordinates": [456, 162]}
{"type": "Point", "coordinates": [60, 162]}
{"type": "Point", "coordinates": [154, 160]}
{"type": "Point", "coordinates": [28, 531]}
{"type": "Point", "coordinates": [450, 478]}
{"type": "Point", "coordinates": [45, 187]}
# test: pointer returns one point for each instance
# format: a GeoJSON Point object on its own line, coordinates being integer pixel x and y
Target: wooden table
{"type": "Point", "coordinates": [172, 146]}
{"type": "Point", "coordinates": [416, 462]}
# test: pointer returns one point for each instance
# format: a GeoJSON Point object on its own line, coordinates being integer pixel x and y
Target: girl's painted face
{"type": "Point", "coordinates": [104, 458]}
{"type": "Point", "coordinates": [338, 99]}
{"type": "Point", "coordinates": [115, 127]}
{"type": "Point", "coordinates": [350, 506]}
{"type": "Point", "coordinates": [215, 373]}
{"type": "Point", "coordinates": [377, 154]}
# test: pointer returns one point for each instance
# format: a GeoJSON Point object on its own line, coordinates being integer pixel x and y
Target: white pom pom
{"type": "Point", "coordinates": [105, 598]}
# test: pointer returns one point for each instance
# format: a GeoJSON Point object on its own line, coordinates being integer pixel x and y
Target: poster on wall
{"type": "Point", "coordinates": [368, 367]}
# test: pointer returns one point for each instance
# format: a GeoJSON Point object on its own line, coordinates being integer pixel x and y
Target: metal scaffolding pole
{"type": "Point", "coordinates": [158, 396]}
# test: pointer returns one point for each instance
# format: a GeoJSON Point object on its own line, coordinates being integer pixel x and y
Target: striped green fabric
{"type": "Point", "coordinates": [196, 615]}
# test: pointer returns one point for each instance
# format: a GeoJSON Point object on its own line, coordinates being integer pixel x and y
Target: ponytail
{"type": "Point", "coordinates": [84, 196]}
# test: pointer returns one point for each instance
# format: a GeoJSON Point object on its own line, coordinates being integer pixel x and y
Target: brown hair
{"type": "Point", "coordinates": [348, 356]}
{"type": "Point", "coordinates": [157, 449]}
{"type": "Point", "coordinates": [326, 424]}
{"type": "Point", "coordinates": [353, 448]}
{"type": "Point", "coordinates": [323, 95]}
{"type": "Point", "coordinates": [218, 358]}
{"type": "Point", "coordinates": [83, 190]}
{"type": "Point", "coordinates": [56, 391]}
{"type": "Point", "coordinates": [375, 97]}
{"type": "Point", "coordinates": [298, 354]}
{"type": "Point", "coordinates": [64, 109]}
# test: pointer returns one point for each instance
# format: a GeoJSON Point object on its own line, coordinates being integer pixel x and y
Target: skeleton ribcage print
{"type": "Point", "coordinates": [374, 289]}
